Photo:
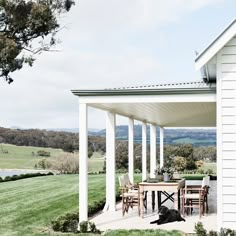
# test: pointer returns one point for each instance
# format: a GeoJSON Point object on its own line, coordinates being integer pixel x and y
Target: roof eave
{"type": "Point", "coordinates": [128, 92]}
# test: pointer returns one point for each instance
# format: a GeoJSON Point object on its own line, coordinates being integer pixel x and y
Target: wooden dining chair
{"type": "Point", "coordinates": [130, 195]}
{"type": "Point", "coordinates": [194, 197]}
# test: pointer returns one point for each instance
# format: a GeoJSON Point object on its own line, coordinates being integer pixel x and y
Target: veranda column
{"type": "Point", "coordinates": [144, 151]}
{"type": "Point", "coordinates": [83, 162]}
{"type": "Point", "coordinates": [152, 150]}
{"type": "Point", "coordinates": [110, 162]}
{"type": "Point", "coordinates": [161, 147]}
{"type": "Point", "coordinates": [131, 150]}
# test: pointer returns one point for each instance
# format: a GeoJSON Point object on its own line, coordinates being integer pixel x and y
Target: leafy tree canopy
{"type": "Point", "coordinates": [21, 23]}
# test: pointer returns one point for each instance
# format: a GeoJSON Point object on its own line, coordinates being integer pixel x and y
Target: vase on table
{"type": "Point", "coordinates": [166, 177]}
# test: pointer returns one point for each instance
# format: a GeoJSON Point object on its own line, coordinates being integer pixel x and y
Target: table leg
{"type": "Point", "coordinates": [176, 200]}
{"type": "Point", "coordinates": [153, 200]}
{"type": "Point", "coordinates": [141, 198]}
{"type": "Point", "coordinates": [159, 199]}
{"type": "Point", "coordinates": [179, 200]}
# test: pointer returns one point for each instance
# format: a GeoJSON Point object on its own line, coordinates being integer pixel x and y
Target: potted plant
{"type": "Point", "coordinates": [164, 173]}
{"type": "Point", "coordinates": [158, 173]}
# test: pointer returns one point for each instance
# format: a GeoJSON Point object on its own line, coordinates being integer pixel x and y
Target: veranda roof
{"type": "Point", "coordinates": [190, 104]}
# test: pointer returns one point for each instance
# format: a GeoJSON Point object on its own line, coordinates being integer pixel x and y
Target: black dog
{"type": "Point", "coordinates": [166, 216]}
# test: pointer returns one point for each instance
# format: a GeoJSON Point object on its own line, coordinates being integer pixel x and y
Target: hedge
{"type": "Point", "coordinates": [23, 176]}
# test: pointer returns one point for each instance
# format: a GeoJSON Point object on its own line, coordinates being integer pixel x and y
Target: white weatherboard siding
{"type": "Point", "coordinates": [226, 114]}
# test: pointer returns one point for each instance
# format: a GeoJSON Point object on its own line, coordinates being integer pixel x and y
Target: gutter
{"type": "Point", "coordinates": [130, 92]}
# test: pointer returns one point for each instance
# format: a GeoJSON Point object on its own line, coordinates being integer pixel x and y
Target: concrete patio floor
{"type": "Point", "coordinates": [115, 220]}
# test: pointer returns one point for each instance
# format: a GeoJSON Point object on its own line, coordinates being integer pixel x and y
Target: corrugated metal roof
{"type": "Point", "coordinates": [181, 85]}
{"type": "Point", "coordinates": [170, 88]}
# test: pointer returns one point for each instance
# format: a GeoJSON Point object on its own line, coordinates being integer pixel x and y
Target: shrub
{"type": "Point", "coordinates": [83, 226]}
{"type": "Point", "coordinates": [66, 164]}
{"type": "Point", "coordinates": [43, 153]}
{"type": "Point", "coordinates": [137, 171]}
{"type": "Point", "coordinates": [201, 171]}
{"type": "Point", "coordinates": [213, 233]}
{"type": "Point", "coordinates": [122, 170]}
{"type": "Point", "coordinates": [179, 163]}
{"type": "Point", "coordinates": [23, 176]}
{"type": "Point", "coordinates": [93, 228]}
{"type": "Point", "coordinates": [199, 229]}
{"type": "Point", "coordinates": [190, 164]}
{"type": "Point", "coordinates": [7, 178]}
{"type": "Point", "coordinates": [44, 164]}
{"type": "Point", "coordinates": [209, 171]}
{"type": "Point", "coordinates": [199, 163]}
{"type": "Point", "coordinates": [90, 153]}
{"type": "Point", "coordinates": [66, 223]}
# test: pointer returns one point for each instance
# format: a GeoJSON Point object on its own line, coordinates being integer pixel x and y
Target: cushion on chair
{"type": "Point", "coordinates": [192, 195]}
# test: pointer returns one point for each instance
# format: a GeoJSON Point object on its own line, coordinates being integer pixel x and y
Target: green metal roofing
{"type": "Point", "coordinates": [170, 88]}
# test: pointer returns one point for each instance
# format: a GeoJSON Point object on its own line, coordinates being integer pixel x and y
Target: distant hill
{"type": "Point", "coordinates": [197, 137]}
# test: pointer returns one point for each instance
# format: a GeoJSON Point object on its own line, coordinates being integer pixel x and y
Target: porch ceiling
{"type": "Point", "coordinates": [166, 114]}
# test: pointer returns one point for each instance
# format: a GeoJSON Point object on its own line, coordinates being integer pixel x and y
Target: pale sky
{"type": "Point", "coordinates": [112, 43]}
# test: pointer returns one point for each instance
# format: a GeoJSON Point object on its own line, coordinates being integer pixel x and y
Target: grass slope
{"type": "Point", "coordinates": [29, 205]}
{"type": "Point", "coordinates": [20, 157]}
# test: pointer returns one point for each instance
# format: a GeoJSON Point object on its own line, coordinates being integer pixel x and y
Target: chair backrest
{"type": "Point", "coordinates": [126, 179]}
{"type": "Point", "coordinates": [207, 180]}
{"type": "Point", "coordinates": [121, 181]}
{"type": "Point", "coordinates": [203, 182]}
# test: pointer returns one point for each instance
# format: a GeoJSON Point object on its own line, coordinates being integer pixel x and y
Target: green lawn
{"type": "Point", "coordinates": [29, 205]}
{"type": "Point", "coordinates": [96, 162]}
{"type": "Point", "coordinates": [20, 157]}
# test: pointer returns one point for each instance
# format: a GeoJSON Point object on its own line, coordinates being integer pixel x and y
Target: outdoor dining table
{"type": "Point", "coordinates": [170, 190]}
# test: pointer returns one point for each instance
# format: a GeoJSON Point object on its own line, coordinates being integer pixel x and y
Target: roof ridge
{"type": "Point", "coordinates": [158, 85]}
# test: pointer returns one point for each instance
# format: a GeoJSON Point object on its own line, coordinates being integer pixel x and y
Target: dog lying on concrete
{"type": "Point", "coordinates": [167, 215]}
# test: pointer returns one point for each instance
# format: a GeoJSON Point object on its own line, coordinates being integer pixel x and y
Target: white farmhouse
{"type": "Point", "coordinates": [207, 103]}
{"type": "Point", "coordinates": [218, 63]}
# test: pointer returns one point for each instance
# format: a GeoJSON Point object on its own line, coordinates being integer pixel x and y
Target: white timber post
{"type": "Point", "coordinates": [131, 150]}
{"type": "Point", "coordinates": [144, 151]}
{"type": "Point", "coordinates": [161, 147]}
{"type": "Point", "coordinates": [153, 162]}
{"type": "Point", "coordinates": [110, 162]}
{"type": "Point", "coordinates": [83, 162]}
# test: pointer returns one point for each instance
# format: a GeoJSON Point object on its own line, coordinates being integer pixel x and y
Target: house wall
{"type": "Point", "coordinates": [226, 137]}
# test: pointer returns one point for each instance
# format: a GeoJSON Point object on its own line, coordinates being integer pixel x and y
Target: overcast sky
{"type": "Point", "coordinates": [112, 43]}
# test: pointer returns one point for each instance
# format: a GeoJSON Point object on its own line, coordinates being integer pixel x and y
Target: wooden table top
{"type": "Point", "coordinates": [177, 184]}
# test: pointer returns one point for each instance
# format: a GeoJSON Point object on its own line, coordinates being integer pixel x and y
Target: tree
{"type": "Point", "coordinates": [180, 163]}
{"type": "Point", "coordinates": [22, 24]}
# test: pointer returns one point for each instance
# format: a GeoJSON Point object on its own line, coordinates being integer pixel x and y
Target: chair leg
{"type": "Point", "coordinates": [206, 200]}
{"type": "Point", "coordinates": [200, 208]}
{"type": "Point", "coordinates": [123, 206]}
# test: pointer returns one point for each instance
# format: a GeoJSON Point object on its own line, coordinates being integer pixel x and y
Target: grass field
{"type": "Point", "coordinates": [95, 163]}
{"type": "Point", "coordinates": [29, 205]}
{"type": "Point", "coordinates": [20, 157]}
